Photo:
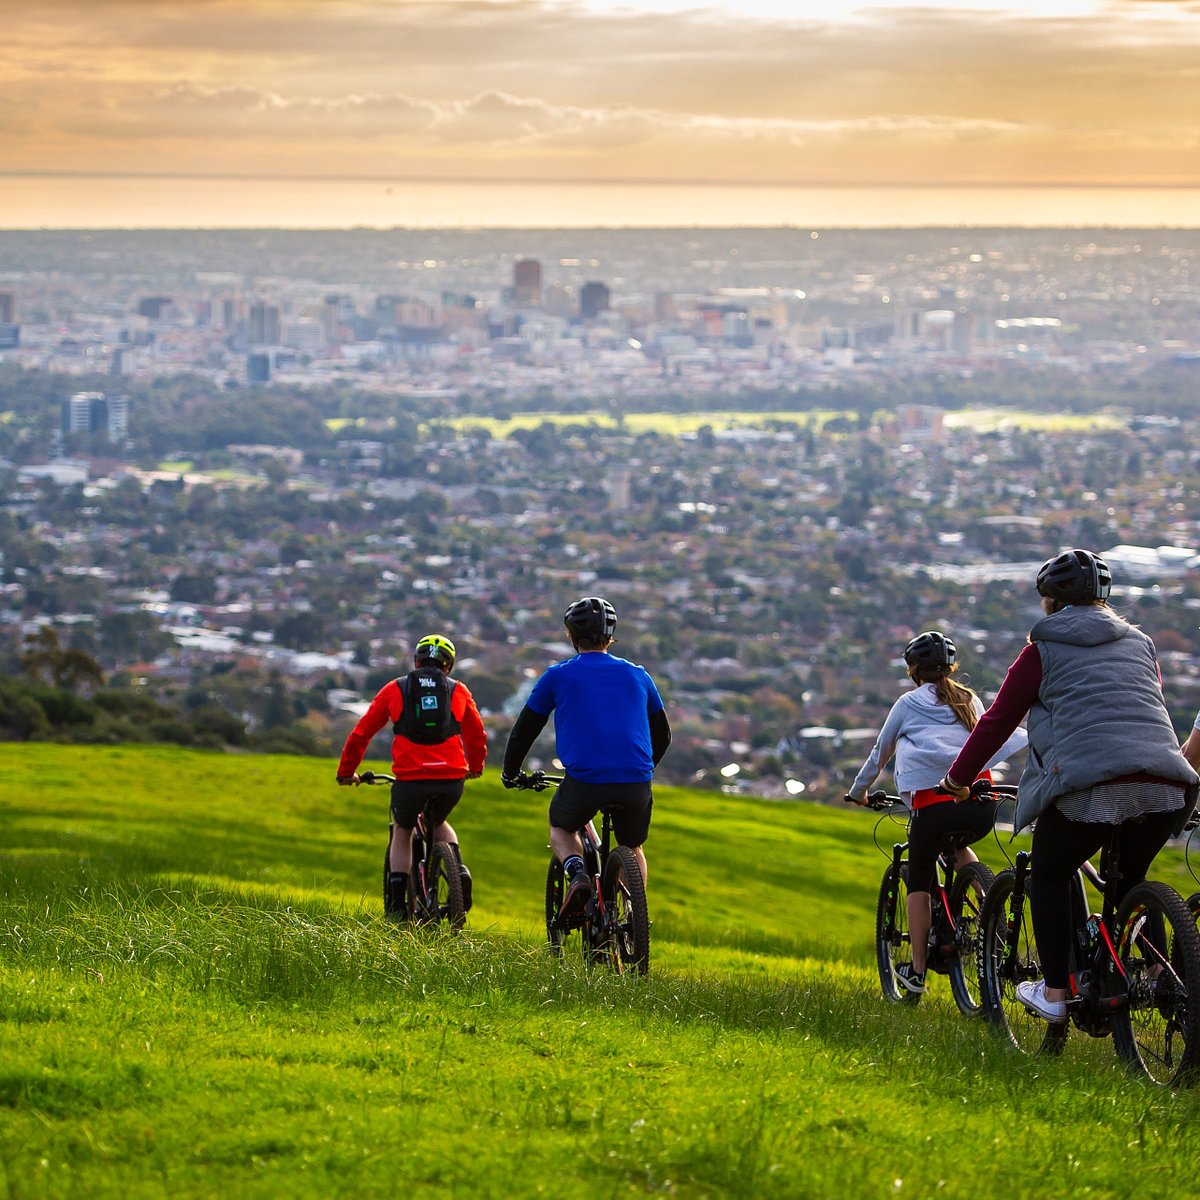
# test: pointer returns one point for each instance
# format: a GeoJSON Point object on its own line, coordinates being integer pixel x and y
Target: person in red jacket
{"type": "Point", "coordinates": [439, 742]}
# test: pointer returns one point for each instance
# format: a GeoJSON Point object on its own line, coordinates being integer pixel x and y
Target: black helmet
{"type": "Point", "coordinates": [931, 651]}
{"type": "Point", "coordinates": [1075, 577]}
{"type": "Point", "coordinates": [591, 618]}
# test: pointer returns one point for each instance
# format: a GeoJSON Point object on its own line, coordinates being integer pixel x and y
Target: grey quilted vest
{"type": "Point", "coordinates": [1099, 713]}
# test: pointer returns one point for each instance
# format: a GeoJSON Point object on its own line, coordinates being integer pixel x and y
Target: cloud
{"type": "Point", "coordinates": [476, 86]}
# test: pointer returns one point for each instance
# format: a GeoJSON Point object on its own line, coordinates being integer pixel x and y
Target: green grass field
{"type": "Point", "coordinates": [675, 424]}
{"type": "Point", "coordinates": [199, 996]}
{"type": "Point", "coordinates": [671, 424]}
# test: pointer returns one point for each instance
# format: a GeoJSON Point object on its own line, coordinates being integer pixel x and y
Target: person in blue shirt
{"type": "Point", "coordinates": [610, 730]}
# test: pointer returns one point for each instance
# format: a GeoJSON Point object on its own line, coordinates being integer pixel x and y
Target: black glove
{"type": "Point", "coordinates": [511, 781]}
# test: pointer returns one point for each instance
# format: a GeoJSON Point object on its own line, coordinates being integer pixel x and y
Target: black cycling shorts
{"type": "Point", "coordinates": [410, 796]}
{"type": "Point", "coordinates": [943, 826]}
{"type": "Point", "coordinates": [576, 803]}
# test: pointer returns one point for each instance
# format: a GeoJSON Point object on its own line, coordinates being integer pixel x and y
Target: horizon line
{"type": "Point", "coordinates": [503, 181]}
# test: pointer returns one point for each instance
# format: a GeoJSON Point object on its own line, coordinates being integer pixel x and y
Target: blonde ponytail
{"type": "Point", "coordinates": [960, 699]}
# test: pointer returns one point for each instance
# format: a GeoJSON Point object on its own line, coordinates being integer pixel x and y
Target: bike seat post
{"type": "Point", "coordinates": [1110, 871]}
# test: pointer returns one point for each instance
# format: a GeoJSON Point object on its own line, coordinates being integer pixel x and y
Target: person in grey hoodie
{"type": "Point", "coordinates": [1102, 753]}
{"type": "Point", "coordinates": [925, 729]}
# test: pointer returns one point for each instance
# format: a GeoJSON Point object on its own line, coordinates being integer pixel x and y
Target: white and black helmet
{"type": "Point", "coordinates": [1075, 577]}
{"type": "Point", "coordinates": [591, 618]}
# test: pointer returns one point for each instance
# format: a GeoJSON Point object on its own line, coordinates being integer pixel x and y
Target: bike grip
{"type": "Point", "coordinates": [366, 776]}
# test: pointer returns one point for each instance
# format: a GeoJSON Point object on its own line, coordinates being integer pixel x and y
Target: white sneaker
{"type": "Point", "coordinates": [1033, 996]}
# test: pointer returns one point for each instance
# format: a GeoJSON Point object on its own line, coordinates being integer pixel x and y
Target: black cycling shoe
{"type": "Point", "coordinates": [578, 896]}
{"type": "Point", "coordinates": [909, 979]}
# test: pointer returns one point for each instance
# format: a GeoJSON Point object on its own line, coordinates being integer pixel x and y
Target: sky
{"type": "Point", "coordinates": [1073, 93]}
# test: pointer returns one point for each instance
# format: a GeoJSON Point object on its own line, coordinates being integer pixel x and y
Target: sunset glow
{"type": "Point", "coordinates": [1058, 92]}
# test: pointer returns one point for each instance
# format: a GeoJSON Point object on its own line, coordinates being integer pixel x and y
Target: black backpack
{"type": "Point", "coordinates": [426, 718]}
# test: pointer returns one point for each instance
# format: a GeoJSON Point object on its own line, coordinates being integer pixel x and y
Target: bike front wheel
{"type": "Point", "coordinates": [445, 887]}
{"type": "Point", "coordinates": [1008, 956]}
{"type": "Point", "coordinates": [626, 919]}
{"type": "Point", "coordinates": [1157, 1034]}
{"type": "Point", "coordinates": [893, 945]}
{"type": "Point", "coordinates": [966, 900]}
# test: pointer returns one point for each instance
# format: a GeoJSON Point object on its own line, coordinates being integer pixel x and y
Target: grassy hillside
{"type": "Point", "coordinates": [199, 996]}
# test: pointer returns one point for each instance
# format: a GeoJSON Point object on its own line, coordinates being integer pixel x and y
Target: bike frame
{"type": "Point", "coordinates": [596, 849]}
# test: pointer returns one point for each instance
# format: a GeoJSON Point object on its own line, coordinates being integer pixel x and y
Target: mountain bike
{"type": "Point", "coordinates": [435, 890]}
{"type": "Point", "coordinates": [615, 926]}
{"type": "Point", "coordinates": [1134, 970]}
{"type": "Point", "coordinates": [955, 903]}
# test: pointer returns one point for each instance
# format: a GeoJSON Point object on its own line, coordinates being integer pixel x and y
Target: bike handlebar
{"type": "Point", "coordinates": [980, 790]}
{"type": "Point", "coordinates": [370, 777]}
{"type": "Point", "coordinates": [535, 781]}
{"type": "Point", "coordinates": [876, 801]}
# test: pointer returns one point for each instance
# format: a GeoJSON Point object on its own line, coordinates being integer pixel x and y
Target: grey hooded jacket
{"type": "Point", "coordinates": [1099, 713]}
{"type": "Point", "coordinates": [925, 736]}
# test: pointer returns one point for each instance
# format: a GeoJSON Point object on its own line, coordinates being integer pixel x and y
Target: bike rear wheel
{"type": "Point", "coordinates": [445, 887]}
{"type": "Point", "coordinates": [627, 921]}
{"type": "Point", "coordinates": [554, 899]}
{"type": "Point", "coordinates": [966, 900]}
{"type": "Point", "coordinates": [1158, 1032]}
{"type": "Point", "coordinates": [1008, 956]}
{"type": "Point", "coordinates": [893, 945]}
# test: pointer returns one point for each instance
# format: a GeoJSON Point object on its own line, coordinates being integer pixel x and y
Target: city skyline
{"type": "Point", "coordinates": [120, 111]}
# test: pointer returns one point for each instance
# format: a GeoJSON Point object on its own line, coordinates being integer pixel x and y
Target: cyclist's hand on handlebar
{"type": "Point", "coordinates": [511, 781]}
{"type": "Point", "coordinates": [348, 781]}
{"type": "Point", "coordinates": [956, 790]}
{"type": "Point", "coordinates": [474, 774]}
{"type": "Point", "coordinates": [851, 798]}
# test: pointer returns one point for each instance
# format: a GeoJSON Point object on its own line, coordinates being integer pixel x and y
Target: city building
{"type": "Point", "coordinates": [527, 283]}
{"type": "Point", "coordinates": [594, 299]}
{"type": "Point", "coordinates": [96, 412]}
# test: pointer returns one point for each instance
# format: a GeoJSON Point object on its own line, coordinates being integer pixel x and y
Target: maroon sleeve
{"type": "Point", "coordinates": [1014, 699]}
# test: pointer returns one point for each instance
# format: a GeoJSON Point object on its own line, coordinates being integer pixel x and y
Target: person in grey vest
{"type": "Point", "coordinates": [1102, 752]}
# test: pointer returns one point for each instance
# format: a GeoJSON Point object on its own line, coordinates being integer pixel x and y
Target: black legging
{"type": "Point", "coordinates": [931, 827]}
{"type": "Point", "coordinates": [1060, 848]}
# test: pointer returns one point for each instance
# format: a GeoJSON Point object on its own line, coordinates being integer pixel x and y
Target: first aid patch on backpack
{"type": "Point", "coordinates": [427, 718]}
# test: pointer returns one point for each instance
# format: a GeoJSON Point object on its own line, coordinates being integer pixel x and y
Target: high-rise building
{"type": "Point", "coordinates": [264, 324]}
{"type": "Point", "coordinates": [154, 308]}
{"type": "Point", "coordinates": [559, 300]}
{"type": "Point", "coordinates": [527, 283]}
{"type": "Point", "coordinates": [96, 412]}
{"type": "Point", "coordinates": [594, 299]}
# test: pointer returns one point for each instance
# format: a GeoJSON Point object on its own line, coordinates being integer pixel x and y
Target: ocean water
{"type": "Point", "coordinates": [171, 202]}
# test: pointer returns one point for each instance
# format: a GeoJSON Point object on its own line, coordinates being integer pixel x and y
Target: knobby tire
{"type": "Point", "coordinates": [1158, 1033]}
{"type": "Point", "coordinates": [971, 887]}
{"type": "Point", "coordinates": [627, 920]}
{"type": "Point", "coordinates": [1004, 962]}
{"type": "Point", "coordinates": [892, 942]}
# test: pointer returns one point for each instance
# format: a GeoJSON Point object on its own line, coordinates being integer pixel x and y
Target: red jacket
{"type": "Point", "coordinates": [455, 758]}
